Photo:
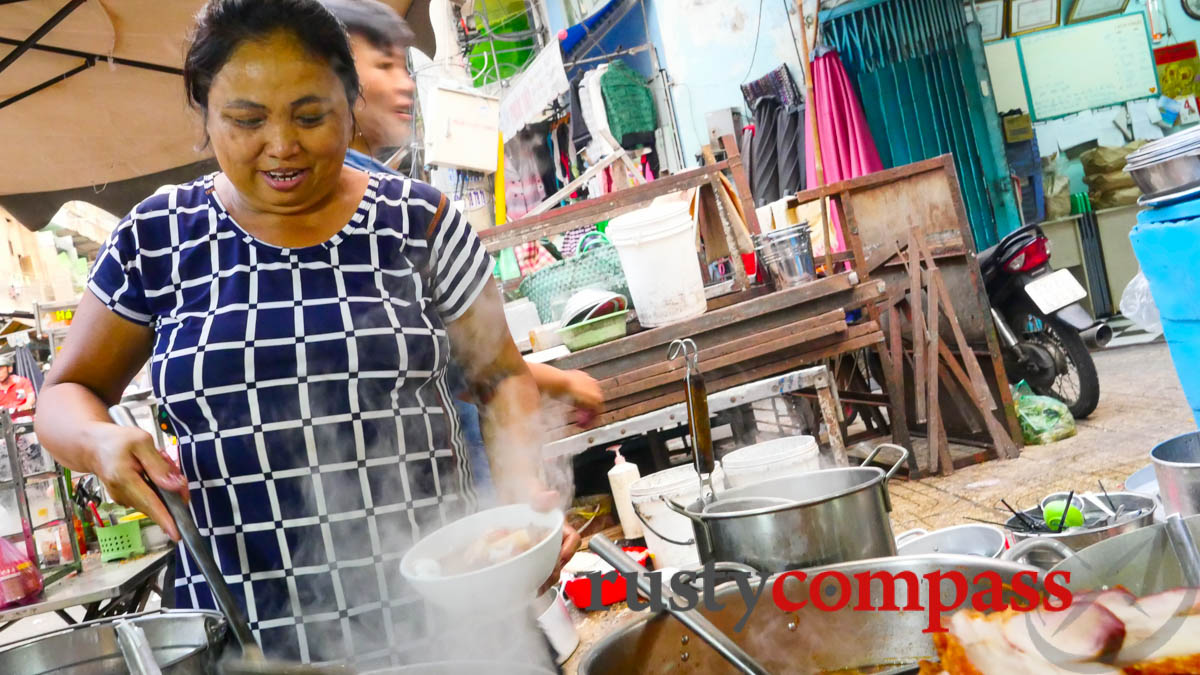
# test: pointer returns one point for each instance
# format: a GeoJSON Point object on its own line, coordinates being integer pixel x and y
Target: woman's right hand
{"type": "Point", "coordinates": [121, 456]}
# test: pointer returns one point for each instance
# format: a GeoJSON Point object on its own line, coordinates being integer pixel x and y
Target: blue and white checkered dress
{"type": "Point", "coordinates": [307, 390]}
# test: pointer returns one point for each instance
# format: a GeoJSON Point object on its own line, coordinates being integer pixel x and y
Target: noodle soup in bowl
{"type": "Point", "coordinates": [489, 562]}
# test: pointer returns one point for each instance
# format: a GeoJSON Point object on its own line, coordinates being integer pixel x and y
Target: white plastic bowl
{"type": "Point", "coordinates": [507, 586]}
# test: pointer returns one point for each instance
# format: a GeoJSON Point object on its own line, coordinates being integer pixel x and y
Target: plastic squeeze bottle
{"type": "Point", "coordinates": [620, 478]}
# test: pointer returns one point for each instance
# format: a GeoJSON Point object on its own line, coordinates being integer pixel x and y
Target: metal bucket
{"type": "Point", "coordinates": [799, 521]}
{"type": "Point", "coordinates": [185, 642]}
{"type": "Point", "coordinates": [1177, 466]}
{"type": "Point", "coordinates": [1080, 538]}
{"type": "Point", "coordinates": [806, 641]}
{"type": "Point", "coordinates": [787, 253]}
{"type": "Point", "coordinates": [1143, 562]}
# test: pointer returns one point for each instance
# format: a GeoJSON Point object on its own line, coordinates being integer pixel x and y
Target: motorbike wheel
{"type": "Point", "coordinates": [1075, 381]}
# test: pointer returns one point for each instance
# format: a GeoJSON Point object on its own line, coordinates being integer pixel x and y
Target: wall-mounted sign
{"type": "Point", "coordinates": [1178, 66]}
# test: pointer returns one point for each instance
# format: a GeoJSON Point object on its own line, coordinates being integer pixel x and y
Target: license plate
{"type": "Point", "coordinates": [1055, 291]}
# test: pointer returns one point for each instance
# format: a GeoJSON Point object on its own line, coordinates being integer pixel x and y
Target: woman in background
{"type": "Point", "coordinates": [379, 40]}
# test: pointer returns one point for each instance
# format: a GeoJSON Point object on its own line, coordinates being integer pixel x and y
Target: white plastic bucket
{"type": "Point", "coordinates": [762, 461]}
{"type": "Point", "coordinates": [681, 485]}
{"type": "Point", "coordinates": [657, 247]}
{"type": "Point", "coordinates": [555, 621]}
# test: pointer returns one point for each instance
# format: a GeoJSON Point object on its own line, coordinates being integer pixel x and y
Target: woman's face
{"type": "Point", "coordinates": [280, 124]}
{"type": "Point", "coordinates": [384, 112]}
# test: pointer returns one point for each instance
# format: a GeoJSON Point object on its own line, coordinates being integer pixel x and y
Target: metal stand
{"type": "Point", "coordinates": [19, 482]}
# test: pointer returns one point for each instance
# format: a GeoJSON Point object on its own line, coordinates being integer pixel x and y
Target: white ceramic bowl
{"type": "Point", "coordinates": [506, 586]}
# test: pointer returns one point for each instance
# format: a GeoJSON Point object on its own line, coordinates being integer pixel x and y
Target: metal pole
{"type": "Point", "coordinates": [18, 482]}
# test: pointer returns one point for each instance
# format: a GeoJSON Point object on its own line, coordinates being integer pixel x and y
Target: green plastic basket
{"type": "Point", "coordinates": [597, 267]}
{"type": "Point", "coordinates": [120, 541]}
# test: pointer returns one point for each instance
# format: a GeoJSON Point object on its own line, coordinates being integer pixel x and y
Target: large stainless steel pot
{"type": "Point", "coordinates": [807, 641]}
{"type": "Point", "coordinates": [803, 520]}
{"type": "Point", "coordinates": [1078, 538]}
{"type": "Point", "coordinates": [1144, 561]}
{"type": "Point", "coordinates": [1177, 466]}
{"type": "Point", "coordinates": [185, 642]}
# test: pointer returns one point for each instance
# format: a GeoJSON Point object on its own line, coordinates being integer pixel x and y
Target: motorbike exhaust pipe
{"type": "Point", "coordinates": [1098, 336]}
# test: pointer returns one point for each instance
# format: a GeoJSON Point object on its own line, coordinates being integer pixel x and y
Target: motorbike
{"type": "Point", "coordinates": [1045, 334]}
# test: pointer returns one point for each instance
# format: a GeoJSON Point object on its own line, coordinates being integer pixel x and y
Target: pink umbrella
{"type": "Point", "coordinates": [847, 148]}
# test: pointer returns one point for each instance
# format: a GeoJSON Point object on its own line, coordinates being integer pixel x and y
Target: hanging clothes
{"type": "Point", "coordinates": [847, 147]}
{"type": "Point", "coordinates": [629, 105]}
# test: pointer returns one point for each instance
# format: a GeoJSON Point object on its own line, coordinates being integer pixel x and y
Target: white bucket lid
{"type": "Point", "coordinates": [656, 221]}
{"type": "Point", "coordinates": [678, 481]}
{"type": "Point", "coordinates": [770, 452]}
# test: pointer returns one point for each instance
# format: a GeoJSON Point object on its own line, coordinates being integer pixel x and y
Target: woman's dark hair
{"type": "Point", "coordinates": [223, 25]}
{"type": "Point", "coordinates": [374, 21]}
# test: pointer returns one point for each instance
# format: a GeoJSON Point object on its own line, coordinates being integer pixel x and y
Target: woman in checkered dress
{"type": "Point", "coordinates": [298, 316]}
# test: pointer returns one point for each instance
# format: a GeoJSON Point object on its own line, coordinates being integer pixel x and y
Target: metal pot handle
{"type": "Point", "coordinates": [693, 572]}
{"type": "Point", "coordinates": [1022, 550]}
{"type": "Point", "coordinates": [903, 457]}
{"type": "Point", "coordinates": [910, 534]}
{"type": "Point", "coordinates": [671, 505]}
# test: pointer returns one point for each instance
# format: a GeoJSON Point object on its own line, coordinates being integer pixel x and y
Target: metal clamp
{"type": "Point", "coordinates": [646, 524]}
{"type": "Point", "coordinates": [903, 457]}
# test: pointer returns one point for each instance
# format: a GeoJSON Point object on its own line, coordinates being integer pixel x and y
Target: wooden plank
{"type": "Point", "coordinates": [725, 348]}
{"type": "Point", "coordinates": [968, 413]}
{"type": "Point", "coordinates": [592, 211]}
{"type": "Point", "coordinates": [643, 391]}
{"type": "Point", "coordinates": [876, 178]}
{"type": "Point", "coordinates": [737, 168]}
{"type": "Point", "coordinates": [933, 406]}
{"type": "Point", "coordinates": [895, 391]}
{"type": "Point", "coordinates": [1001, 441]}
{"type": "Point", "coordinates": [629, 383]}
{"type": "Point", "coordinates": [739, 376]}
{"type": "Point", "coordinates": [861, 295]}
{"type": "Point", "coordinates": [656, 337]}
{"type": "Point", "coordinates": [829, 412]}
{"type": "Point", "coordinates": [917, 321]}
{"type": "Point", "coordinates": [979, 388]}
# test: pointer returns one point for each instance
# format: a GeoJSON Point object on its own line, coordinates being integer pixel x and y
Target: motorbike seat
{"type": "Point", "coordinates": [985, 256]}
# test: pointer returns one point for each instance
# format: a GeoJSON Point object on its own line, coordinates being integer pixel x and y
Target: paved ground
{"type": "Point", "coordinates": [1141, 403]}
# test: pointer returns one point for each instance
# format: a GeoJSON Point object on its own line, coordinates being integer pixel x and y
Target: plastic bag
{"type": "Point", "coordinates": [1138, 306]}
{"type": "Point", "coordinates": [20, 580]}
{"type": "Point", "coordinates": [1043, 419]}
{"type": "Point", "coordinates": [1057, 186]}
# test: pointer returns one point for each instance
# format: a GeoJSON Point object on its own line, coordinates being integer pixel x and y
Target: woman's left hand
{"type": "Point", "coordinates": [546, 500]}
{"type": "Point", "coordinates": [570, 544]}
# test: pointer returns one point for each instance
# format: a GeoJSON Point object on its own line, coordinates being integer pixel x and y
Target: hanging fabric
{"type": "Point", "coordinates": [847, 148]}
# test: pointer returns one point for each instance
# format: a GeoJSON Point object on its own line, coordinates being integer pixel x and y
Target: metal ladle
{"type": "Point", "coordinates": [697, 622]}
{"type": "Point", "coordinates": [198, 546]}
{"type": "Point", "coordinates": [699, 426]}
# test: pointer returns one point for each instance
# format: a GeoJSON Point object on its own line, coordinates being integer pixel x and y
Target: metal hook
{"type": "Point", "coordinates": [686, 347]}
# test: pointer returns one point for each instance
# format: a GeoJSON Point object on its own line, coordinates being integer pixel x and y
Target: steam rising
{"type": "Point", "coordinates": [394, 627]}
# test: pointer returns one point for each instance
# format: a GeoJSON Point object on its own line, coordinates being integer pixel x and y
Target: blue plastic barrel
{"type": "Point", "coordinates": [1166, 242]}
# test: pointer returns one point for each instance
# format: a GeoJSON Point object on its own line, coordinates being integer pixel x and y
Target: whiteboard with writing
{"type": "Point", "coordinates": [1089, 65]}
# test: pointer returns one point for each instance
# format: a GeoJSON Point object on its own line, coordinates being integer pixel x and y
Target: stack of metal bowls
{"type": "Point", "coordinates": [1168, 170]}
{"type": "Point", "coordinates": [787, 253]}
